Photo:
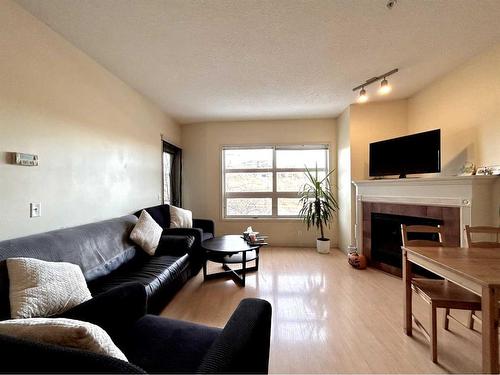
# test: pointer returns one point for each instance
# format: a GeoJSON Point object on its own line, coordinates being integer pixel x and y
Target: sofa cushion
{"type": "Point", "coordinates": [173, 346]}
{"type": "Point", "coordinates": [160, 213]}
{"type": "Point", "coordinates": [42, 289]}
{"type": "Point", "coordinates": [98, 248]}
{"type": "Point", "coordinates": [155, 273]}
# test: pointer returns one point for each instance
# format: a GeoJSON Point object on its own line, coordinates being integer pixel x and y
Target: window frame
{"type": "Point", "coordinates": [274, 194]}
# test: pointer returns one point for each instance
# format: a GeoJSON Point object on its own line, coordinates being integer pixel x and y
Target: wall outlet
{"type": "Point", "coordinates": [35, 209]}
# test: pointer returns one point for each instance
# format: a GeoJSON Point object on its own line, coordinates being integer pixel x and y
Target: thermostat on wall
{"type": "Point", "coordinates": [25, 159]}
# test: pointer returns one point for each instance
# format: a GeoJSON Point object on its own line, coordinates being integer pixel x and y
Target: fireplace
{"type": "Point", "coordinates": [382, 230]}
{"type": "Point", "coordinates": [453, 201]}
{"type": "Point", "coordinates": [386, 238]}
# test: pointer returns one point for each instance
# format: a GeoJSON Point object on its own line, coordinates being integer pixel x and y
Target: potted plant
{"type": "Point", "coordinates": [318, 206]}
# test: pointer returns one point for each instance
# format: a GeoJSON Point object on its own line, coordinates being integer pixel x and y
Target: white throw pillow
{"type": "Point", "coordinates": [63, 332]}
{"type": "Point", "coordinates": [146, 233]}
{"type": "Point", "coordinates": [40, 289]}
{"type": "Point", "coordinates": [180, 218]}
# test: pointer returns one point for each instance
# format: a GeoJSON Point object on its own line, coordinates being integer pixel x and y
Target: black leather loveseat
{"type": "Point", "coordinates": [125, 284]}
{"type": "Point", "coordinates": [107, 257]}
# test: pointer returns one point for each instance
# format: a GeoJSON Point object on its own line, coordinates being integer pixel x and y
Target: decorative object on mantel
{"type": "Point", "coordinates": [468, 169]}
{"type": "Point", "coordinates": [318, 206]}
{"type": "Point", "coordinates": [355, 259]}
{"type": "Point", "coordinates": [493, 170]}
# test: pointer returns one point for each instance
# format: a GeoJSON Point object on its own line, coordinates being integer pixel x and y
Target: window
{"type": "Point", "coordinates": [264, 181]}
{"type": "Point", "coordinates": [172, 172]}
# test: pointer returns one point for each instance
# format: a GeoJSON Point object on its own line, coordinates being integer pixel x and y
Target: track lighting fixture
{"type": "Point", "coordinates": [384, 89]}
{"type": "Point", "coordinates": [362, 96]}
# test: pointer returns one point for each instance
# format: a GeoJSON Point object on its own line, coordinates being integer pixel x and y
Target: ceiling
{"type": "Point", "coordinates": [212, 60]}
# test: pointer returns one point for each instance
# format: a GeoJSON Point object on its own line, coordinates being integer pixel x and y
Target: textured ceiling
{"type": "Point", "coordinates": [210, 60]}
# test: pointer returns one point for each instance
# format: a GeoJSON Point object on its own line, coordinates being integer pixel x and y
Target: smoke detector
{"type": "Point", "coordinates": [391, 4]}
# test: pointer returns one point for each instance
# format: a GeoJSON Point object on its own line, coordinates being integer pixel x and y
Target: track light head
{"type": "Point", "coordinates": [362, 96]}
{"type": "Point", "coordinates": [385, 88]}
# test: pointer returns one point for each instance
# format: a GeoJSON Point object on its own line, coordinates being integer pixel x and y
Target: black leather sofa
{"type": "Point", "coordinates": [126, 283]}
{"type": "Point", "coordinates": [203, 229]}
{"type": "Point", "coordinates": [108, 258]}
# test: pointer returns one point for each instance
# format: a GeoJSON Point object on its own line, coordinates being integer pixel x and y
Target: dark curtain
{"type": "Point", "coordinates": [175, 173]}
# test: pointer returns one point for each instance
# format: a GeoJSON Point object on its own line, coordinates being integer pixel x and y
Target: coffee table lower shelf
{"type": "Point", "coordinates": [238, 275]}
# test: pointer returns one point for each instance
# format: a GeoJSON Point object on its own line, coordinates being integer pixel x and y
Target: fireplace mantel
{"type": "Point", "coordinates": [472, 194]}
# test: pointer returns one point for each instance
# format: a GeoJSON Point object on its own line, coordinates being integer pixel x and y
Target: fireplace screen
{"type": "Point", "coordinates": [386, 238]}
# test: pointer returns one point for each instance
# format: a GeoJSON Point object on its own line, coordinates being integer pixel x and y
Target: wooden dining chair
{"type": "Point", "coordinates": [436, 293]}
{"type": "Point", "coordinates": [489, 239]}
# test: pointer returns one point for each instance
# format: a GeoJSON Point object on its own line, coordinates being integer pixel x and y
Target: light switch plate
{"type": "Point", "coordinates": [35, 209]}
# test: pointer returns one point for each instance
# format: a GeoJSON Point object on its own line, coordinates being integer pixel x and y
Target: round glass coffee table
{"type": "Point", "coordinates": [230, 249]}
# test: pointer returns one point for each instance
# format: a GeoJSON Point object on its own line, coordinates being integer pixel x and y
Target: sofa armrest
{"type": "Point", "coordinates": [114, 310]}
{"type": "Point", "coordinates": [208, 226]}
{"type": "Point", "coordinates": [174, 245]}
{"type": "Point", "coordinates": [195, 232]}
{"type": "Point", "coordinates": [243, 345]}
{"type": "Point", "coordinates": [23, 356]}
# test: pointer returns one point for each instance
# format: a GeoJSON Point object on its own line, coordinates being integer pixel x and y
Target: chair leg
{"type": "Point", "coordinates": [446, 319]}
{"type": "Point", "coordinates": [433, 333]}
{"type": "Point", "coordinates": [470, 323]}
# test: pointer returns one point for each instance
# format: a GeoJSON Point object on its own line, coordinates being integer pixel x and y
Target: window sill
{"type": "Point", "coordinates": [263, 219]}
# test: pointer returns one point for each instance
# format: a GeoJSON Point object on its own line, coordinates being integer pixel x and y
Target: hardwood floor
{"type": "Point", "coordinates": [331, 318]}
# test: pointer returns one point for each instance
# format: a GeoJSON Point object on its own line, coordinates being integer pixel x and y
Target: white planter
{"type": "Point", "coordinates": [323, 246]}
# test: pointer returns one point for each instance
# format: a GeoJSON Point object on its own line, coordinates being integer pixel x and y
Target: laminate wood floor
{"type": "Point", "coordinates": [330, 318]}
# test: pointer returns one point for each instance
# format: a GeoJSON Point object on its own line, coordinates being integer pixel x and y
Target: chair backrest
{"type": "Point", "coordinates": [490, 233]}
{"type": "Point", "coordinates": [405, 229]}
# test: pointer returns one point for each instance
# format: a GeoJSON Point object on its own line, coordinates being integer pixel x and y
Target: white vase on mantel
{"type": "Point", "coordinates": [323, 246]}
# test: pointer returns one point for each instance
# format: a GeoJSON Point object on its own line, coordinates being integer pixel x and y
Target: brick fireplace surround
{"type": "Point", "coordinates": [456, 201]}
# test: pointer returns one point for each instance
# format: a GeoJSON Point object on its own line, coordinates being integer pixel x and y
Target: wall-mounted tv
{"type": "Point", "coordinates": [416, 153]}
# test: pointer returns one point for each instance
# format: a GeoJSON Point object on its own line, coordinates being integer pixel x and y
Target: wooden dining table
{"type": "Point", "coordinates": [475, 269]}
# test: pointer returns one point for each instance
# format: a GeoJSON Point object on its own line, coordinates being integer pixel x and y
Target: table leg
{"type": "Point", "coordinates": [244, 272]}
{"type": "Point", "coordinates": [407, 295]}
{"type": "Point", "coordinates": [489, 304]}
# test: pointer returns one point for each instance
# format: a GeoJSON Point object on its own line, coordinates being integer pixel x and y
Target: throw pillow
{"type": "Point", "coordinates": [40, 289]}
{"type": "Point", "coordinates": [180, 218]}
{"type": "Point", "coordinates": [146, 233]}
{"type": "Point", "coordinates": [63, 332]}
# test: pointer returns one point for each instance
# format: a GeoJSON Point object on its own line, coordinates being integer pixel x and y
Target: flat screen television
{"type": "Point", "coordinates": [416, 153]}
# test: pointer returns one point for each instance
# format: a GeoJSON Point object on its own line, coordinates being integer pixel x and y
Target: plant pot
{"type": "Point", "coordinates": [323, 245]}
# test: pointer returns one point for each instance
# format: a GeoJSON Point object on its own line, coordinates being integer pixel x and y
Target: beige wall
{"type": "Point", "coordinates": [98, 140]}
{"type": "Point", "coordinates": [372, 122]}
{"type": "Point", "coordinates": [357, 127]}
{"type": "Point", "coordinates": [465, 104]}
{"type": "Point", "coordinates": [346, 219]}
{"type": "Point", "coordinates": [202, 170]}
